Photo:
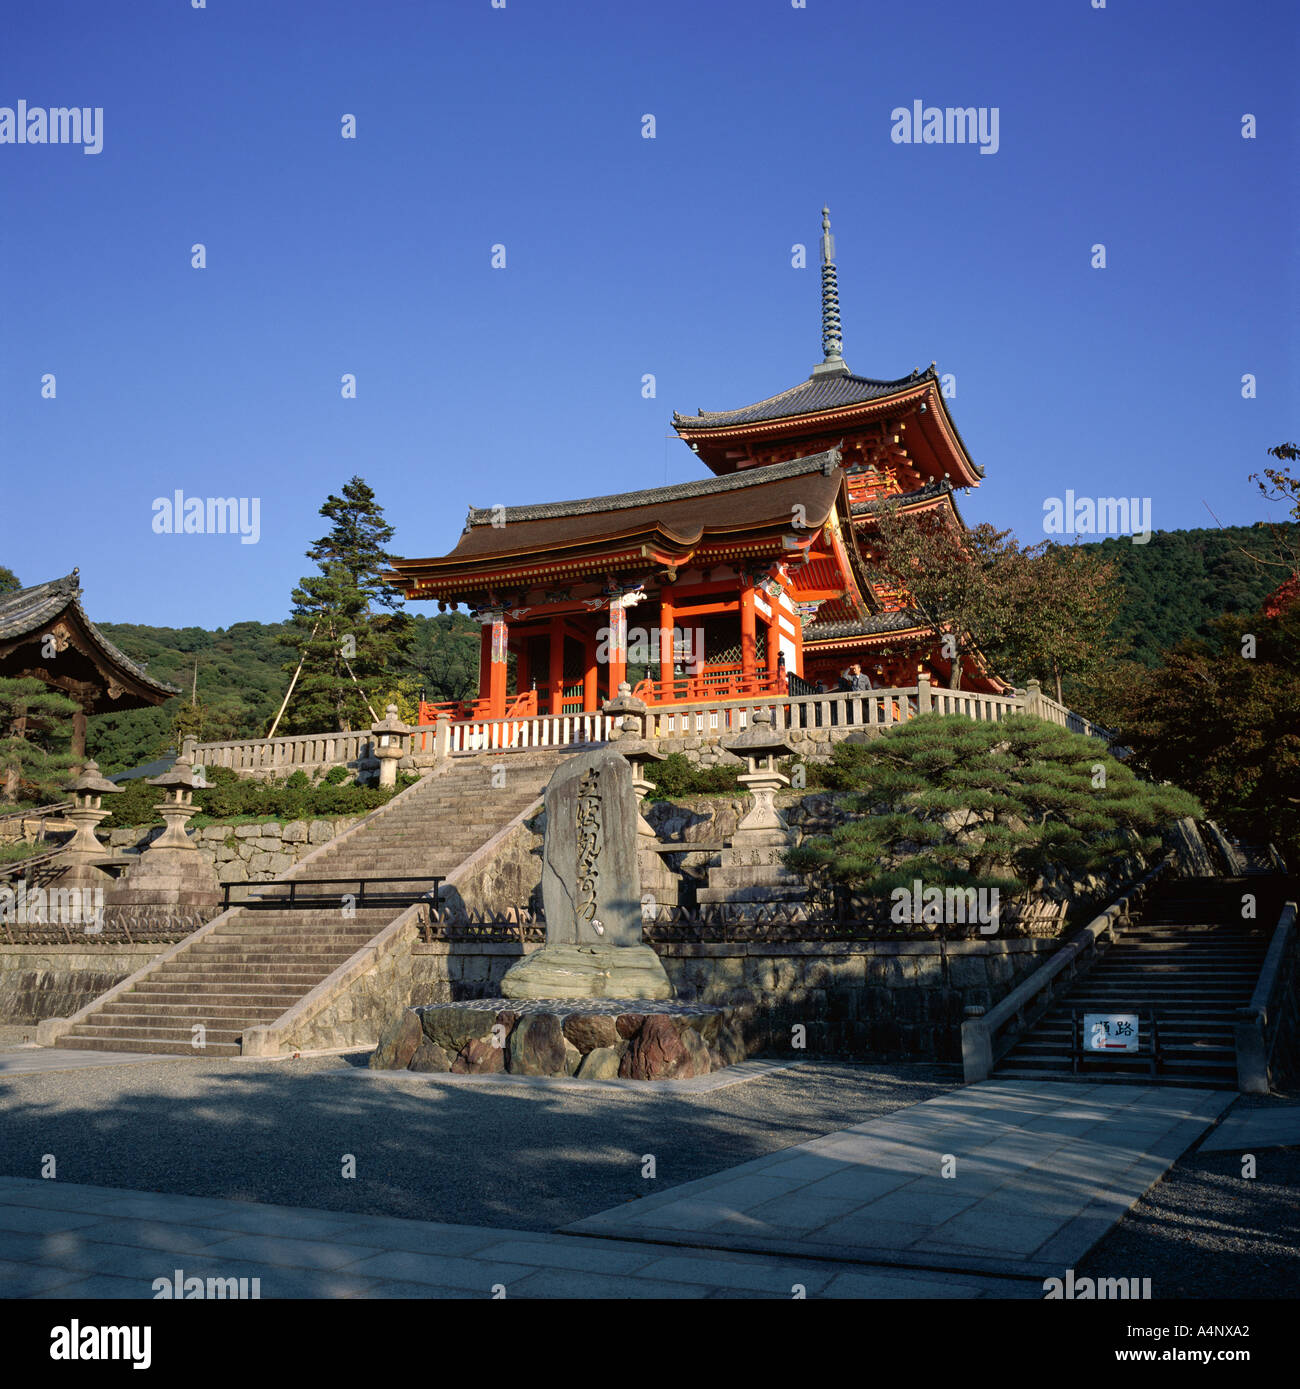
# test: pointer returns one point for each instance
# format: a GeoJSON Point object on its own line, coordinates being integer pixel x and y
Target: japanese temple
{"type": "Point", "coordinates": [756, 580]}
{"type": "Point", "coordinates": [45, 635]}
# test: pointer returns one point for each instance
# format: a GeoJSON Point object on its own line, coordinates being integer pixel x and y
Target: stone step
{"type": "Point", "coordinates": [178, 1048]}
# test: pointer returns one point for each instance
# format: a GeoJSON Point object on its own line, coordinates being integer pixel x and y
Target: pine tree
{"type": "Point", "coordinates": [347, 648]}
{"type": "Point", "coordinates": [35, 730]}
{"type": "Point", "coordinates": [959, 803]}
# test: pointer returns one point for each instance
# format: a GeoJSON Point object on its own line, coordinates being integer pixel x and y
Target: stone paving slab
{"type": "Point", "coordinates": [1042, 1170]}
{"type": "Point", "coordinates": [1276, 1126]}
{"type": "Point", "coordinates": [24, 1060]}
{"type": "Point", "coordinates": [62, 1240]}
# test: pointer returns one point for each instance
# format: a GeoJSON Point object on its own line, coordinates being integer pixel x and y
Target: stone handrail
{"type": "Point", "coordinates": [982, 1038]}
{"type": "Point", "coordinates": [706, 718]}
{"type": "Point", "coordinates": [1258, 1024]}
{"type": "Point", "coordinates": [285, 754]}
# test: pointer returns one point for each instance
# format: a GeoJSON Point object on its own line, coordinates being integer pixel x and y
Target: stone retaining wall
{"type": "Point", "coordinates": [48, 981]}
{"type": "Point", "coordinates": [247, 853]}
{"type": "Point", "coordinates": [873, 1000]}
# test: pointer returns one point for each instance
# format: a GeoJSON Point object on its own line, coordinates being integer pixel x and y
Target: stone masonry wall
{"type": "Point", "coordinates": [247, 853]}
{"type": "Point", "coordinates": [871, 1000]}
{"type": "Point", "coordinates": [54, 981]}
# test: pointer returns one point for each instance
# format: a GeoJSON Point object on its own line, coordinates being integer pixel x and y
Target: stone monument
{"type": "Point", "coordinates": [591, 891]}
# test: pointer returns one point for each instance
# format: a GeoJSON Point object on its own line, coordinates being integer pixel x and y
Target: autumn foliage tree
{"type": "Point", "coordinates": [1039, 610]}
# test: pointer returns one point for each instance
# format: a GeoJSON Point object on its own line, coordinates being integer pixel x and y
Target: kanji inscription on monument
{"type": "Point", "coordinates": [591, 891]}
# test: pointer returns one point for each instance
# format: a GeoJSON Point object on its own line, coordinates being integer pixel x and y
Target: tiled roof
{"type": "Point", "coordinates": [652, 496]}
{"type": "Point", "coordinates": [28, 610]}
{"type": "Point", "coordinates": [937, 488]}
{"type": "Point", "coordinates": [868, 627]}
{"type": "Point", "coordinates": [819, 392]}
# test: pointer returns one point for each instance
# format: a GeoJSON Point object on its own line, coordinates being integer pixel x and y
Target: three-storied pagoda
{"type": "Point", "coordinates": [738, 582]}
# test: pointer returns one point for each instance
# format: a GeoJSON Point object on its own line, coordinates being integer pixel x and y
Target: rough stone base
{"type": "Point", "coordinates": [590, 1039]}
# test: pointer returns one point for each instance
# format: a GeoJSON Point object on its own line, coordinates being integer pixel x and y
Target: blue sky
{"type": "Point", "coordinates": [523, 126]}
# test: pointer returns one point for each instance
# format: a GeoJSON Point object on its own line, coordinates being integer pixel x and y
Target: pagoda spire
{"type": "Point", "coordinates": [832, 363]}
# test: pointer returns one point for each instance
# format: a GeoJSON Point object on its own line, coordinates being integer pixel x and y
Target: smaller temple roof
{"type": "Point", "coordinates": [28, 612]}
{"type": "Point", "coordinates": [875, 625]}
{"type": "Point", "coordinates": [819, 392]}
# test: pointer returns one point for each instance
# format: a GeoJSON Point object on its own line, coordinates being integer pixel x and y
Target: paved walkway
{"type": "Point", "coordinates": [60, 1240]}
{"type": "Point", "coordinates": [1040, 1172]}
{"type": "Point", "coordinates": [23, 1060]}
{"type": "Point", "coordinates": [1269, 1126]}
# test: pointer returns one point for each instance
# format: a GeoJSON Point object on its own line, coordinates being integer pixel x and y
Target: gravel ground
{"type": "Point", "coordinates": [1207, 1231]}
{"type": "Point", "coordinates": [515, 1157]}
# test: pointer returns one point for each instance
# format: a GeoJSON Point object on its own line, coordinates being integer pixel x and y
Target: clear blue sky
{"type": "Point", "coordinates": [523, 126]}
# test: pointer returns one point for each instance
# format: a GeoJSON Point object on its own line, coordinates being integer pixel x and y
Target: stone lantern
{"type": "Point", "coordinates": [389, 744]}
{"type": "Point", "coordinates": [171, 871]}
{"type": "Point", "coordinates": [760, 745]}
{"type": "Point", "coordinates": [751, 869]}
{"type": "Point", "coordinates": [659, 884]}
{"type": "Point", "coordinates": [81, 851]}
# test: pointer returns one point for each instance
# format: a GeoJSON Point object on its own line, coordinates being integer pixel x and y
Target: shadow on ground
{"type": "Point", "coordinates": [514, 1157]}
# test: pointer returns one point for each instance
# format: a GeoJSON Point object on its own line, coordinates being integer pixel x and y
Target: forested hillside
{"type": "Point", "coordinates": [241, 680]}
{"type": "Point", "coordinates": [1174, 587]}
{"type": "Point", "coordinates": [1178, 582]}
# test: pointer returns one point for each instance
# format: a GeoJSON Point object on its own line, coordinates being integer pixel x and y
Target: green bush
{"type": "Point", "coordinates": [677, 776]}
{"type": "Point", "coordinates": [336, 776]}
{"type": "Point", "coordinates": [229, 797]}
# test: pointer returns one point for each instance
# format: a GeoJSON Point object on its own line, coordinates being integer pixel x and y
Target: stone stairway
{"type": "Point", "coordinates": [257, 963]}
{"type": "Point", "coordinates": [1192, 961]}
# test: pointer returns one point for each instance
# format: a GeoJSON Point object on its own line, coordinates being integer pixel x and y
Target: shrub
{"type": "Point", "coordinates": [677, 775]}
{"type": "Point", "coordinates": [336, 776]}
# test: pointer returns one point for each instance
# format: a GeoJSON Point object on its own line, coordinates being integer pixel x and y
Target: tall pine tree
{"type": "Point", "coordinates": [346, 628]}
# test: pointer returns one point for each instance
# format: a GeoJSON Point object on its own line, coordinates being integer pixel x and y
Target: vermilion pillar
{"type": "Point", "coordinates": [556, 681]}
{"type": "Point", "coordinates": [590, 674]}
{"type": "Point", "coordinates": [495, 632]}
{"type": "Point", "coordinates": [748, 639]}
{"type": "Point", "coordinates": [666, 620]}
{"type": "Point", "coordinates": [617, 645]}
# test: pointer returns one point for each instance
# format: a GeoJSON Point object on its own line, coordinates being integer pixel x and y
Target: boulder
{"type": "Point", "coordinates": [397, 1044]}
{"type": "Point", "coordinates": [572, 1058]}
{"type": "Point", "coordinates": [479, 1057]}
{"type": "Point", "coordinates": [451, 1027]}
{"type": "Point", "coordinates": [587, 1031]}
{"type": "Point", "coordinates": [429, 1056]}
{"type": "Point", "coordinates": [659, 1052]}
{"type": "Point", "coordinates": [536, 1046]}
{"type": "Point", "coordinates": [629, 1024]}
{"type": "Point", "coordinates": [601, 1063]}
{"type": "Point", "coordinates": [295, 832]}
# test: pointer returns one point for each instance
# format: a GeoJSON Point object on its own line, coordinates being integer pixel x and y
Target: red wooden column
{"type": "Point", "coordinates": [773, 640]}
{"type": "Point", "coordinates": [556, 681]}
{"type": "Point", "coordinates": [484, 659]}
{"type": "Point", "coordinates": [494, 647]}
{"type": "Point", "coordinates": [617, 645]}
{"type": "Point", "coordinates": [590, 674]}
{"type": "Point", "coordinates": [748, 639]}
{"type": "Point", "coordinates": [666, 620]}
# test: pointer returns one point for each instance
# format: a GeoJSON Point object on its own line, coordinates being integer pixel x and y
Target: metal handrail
{"type": "Point", "coordinates": [295, 901]}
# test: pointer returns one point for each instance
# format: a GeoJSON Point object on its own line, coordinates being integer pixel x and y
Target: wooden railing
{"type": "Point", "coordinates": [710, 684]}
{"type": "Point", "coordinates": [518, 706]}
{"type": "Point", "coordinates": [543, 731]}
